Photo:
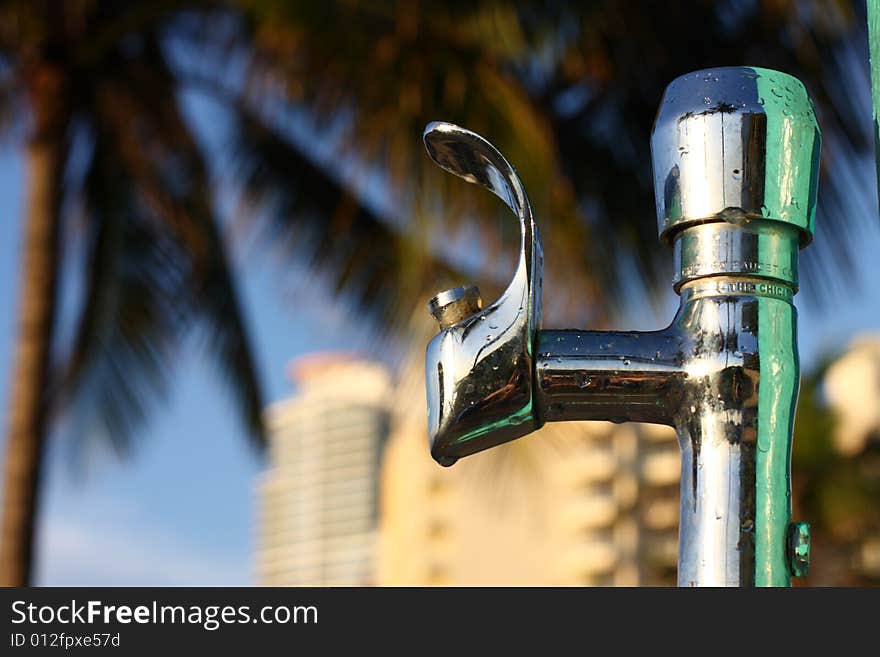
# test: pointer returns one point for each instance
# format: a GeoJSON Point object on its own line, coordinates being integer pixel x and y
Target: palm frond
{"type": "Point", "coordinates": [316, 217]}
{"type": "Point", "coordinates": [570, 93]}
{"type": "Point", "coordinates": [132, 316]}
{"type": "Point", "coordinates": [157, 263]}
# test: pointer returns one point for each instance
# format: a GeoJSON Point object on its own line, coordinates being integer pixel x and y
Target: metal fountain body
{"type": "Point", "coordinates": [735, 154]}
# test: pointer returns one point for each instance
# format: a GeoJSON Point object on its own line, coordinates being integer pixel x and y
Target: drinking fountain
{"type": "Point", "coordinates": [736, 159]}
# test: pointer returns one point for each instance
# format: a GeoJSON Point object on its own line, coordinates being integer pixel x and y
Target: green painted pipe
{"type": "Point", "coordinates": [874, 47]}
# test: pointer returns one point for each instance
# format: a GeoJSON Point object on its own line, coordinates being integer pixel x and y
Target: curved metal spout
{"type": "Point", "coordinates": [479, 368]}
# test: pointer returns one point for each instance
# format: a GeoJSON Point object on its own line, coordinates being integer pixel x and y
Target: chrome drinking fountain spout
{"type": "Point", "coordinates": [736, 160]}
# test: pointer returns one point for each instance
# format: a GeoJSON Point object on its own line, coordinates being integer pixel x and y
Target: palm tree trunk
{"type": "Point", "coordinates": [27, 413]}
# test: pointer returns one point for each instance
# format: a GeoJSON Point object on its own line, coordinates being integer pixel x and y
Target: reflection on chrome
{"type": "Point", "coordinates": [735, 154]}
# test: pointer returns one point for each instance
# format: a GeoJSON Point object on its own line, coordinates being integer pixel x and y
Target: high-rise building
{"type": "Point", "coordinates": [318, 499]}
{"type": "Point", "coordinates": [576, 503]}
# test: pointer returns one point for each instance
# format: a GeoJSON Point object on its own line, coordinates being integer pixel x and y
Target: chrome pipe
{"type": "Point", "coordinates": [701, 375]}
{"type": "Point", "coordinates": [735, 155]}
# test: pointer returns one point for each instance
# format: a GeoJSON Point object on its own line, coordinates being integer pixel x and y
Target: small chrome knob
{"type": "Point", "coordinates": [451, 306]}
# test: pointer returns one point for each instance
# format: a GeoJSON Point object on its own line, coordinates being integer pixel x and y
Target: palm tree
{"type": "Point", "coordinates": [93, 92]}
{"type": "Point", "coordinates": [569, 93]}
{"type": "Point", "coordinates": [80, 84]}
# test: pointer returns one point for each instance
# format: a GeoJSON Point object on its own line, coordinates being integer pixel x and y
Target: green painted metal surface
{"type": "Point", "coordinates": [874, 44]}
{"type": "Point", "coordinates": [789, 194]}
{"type": "Point", "coordinates": [789, 109]}
{"type": "Point", "coordinates": [779, 382]}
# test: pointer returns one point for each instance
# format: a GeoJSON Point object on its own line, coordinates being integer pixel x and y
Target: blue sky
{"type": "Point", "coordinates": [180, 510]}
